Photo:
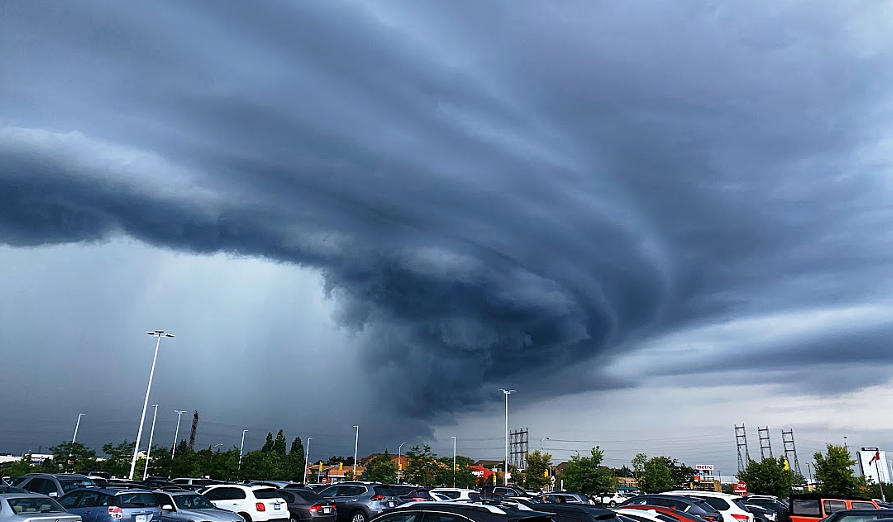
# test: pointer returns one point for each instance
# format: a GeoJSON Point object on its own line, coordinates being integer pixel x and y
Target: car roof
{"type": "Point", "coordinates": [822, 496]}
{"type": "Point", "coordinates": [22, 495]}
{"type": "Point", "coordinates": [699, 493]}
{"type": "Point", "coordinates": [864, 511]}
{"type": "Point", "coordinates": [57, 475]}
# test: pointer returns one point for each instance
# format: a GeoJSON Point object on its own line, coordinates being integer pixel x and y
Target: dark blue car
{"type": "Point", "coordinates": [113, 505]}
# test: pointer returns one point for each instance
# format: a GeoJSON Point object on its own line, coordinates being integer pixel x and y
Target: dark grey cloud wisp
{"type": "Point", "coordinates": [492, 192]}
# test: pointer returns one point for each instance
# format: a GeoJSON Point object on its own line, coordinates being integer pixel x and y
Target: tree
{"type": "Point", "coordinates": [268, 445]}
{"type": "Point", "coordinates": [17, 468]}
{"type": "Point", "coordinates": [381, 469]}
{"type": "Point", "coordinates": [835, 474]}
{"type": "Point", "coordinates": [768, 477]}
{"type": "Point", "coordinates": [465, 478]}
{"type": "Point", "coordinates": [73, 456]}
{"type": "Point", "coordinates": [639, 463]}
{"type": "Point", "coordinates": [263, 465]}
{"type": "Point", "coordinates": [421, 468]}
{"type": "Point", "coordinates": [656, 475]}
{"type": "Point", "coordinates": [587, 475]}
{"type": "Point", "coordinates": [279, 445]}
{"type": "Point", "coordinates": [624, 471]}
{"type": "Point", "coordinates": [296, 460]}
{"type": "Point", "coordinates": [118, 461]}
{"type": "Point", "coordinates": [538, 466]}
{"type": "Point", "coordinates": [682, 475]}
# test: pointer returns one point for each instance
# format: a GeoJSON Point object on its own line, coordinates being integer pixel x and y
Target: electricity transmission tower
{"type": "Point", "coordinates": [741, 442]}
{"type": "Point", "coordinates": [519, 449]}
{"type": "Point", "coordinates": [765, 442]}
{"type": "Point", "coordinates": [790, 451]}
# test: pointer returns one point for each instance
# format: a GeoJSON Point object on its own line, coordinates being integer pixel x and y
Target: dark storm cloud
{"type": "Point", "coordinates": [486, 189]}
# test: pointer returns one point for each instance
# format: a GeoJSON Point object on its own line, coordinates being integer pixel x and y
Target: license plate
{"type": "Point", "coordinates": [141, 518]}
{"type": "Point", "coordinates": [391, 504]}
{"type": "Point", "coordinates": [275, 506]}
{"type": "Point", "coordinates": [326, 510]}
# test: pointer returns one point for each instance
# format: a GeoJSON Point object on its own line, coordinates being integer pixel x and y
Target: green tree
{"type": "Point", "coordinates": [262, 465]}
{"type": "Point", "coordinates": [682, 475]}
{"type": "Point", "coordinates": [465, 478]}
{"type": "Point", "coordinates": [587, 475]}
{"type": "Point", "coordinates": [656, 475]}
{"type": "Point", "coordinates": [421, 467]}
{"type": "Point", "coordinates": [73, 456]}
{"type": "Point", "coordinates": [768, 477]}
{"type": "Point", "coordinates": [268, 445]}
{"type": "Point", "coordinates": [638, 463]}
{"type": "Point", "coordinates": [538, 466]}
{"type": "Point", "coordinates": [118, 458]}
{"type": "Point", "coordinates": [381, 469]}
{"type": "Point", "coordinates": [625, 471]}
{"type": "Point", "coordinates": [279, 445]}
{"type": "Point", "coordinates": [17, 468]}
{"type": "Point", "coordinates": [834, 472]}
{"type": "Point", "coordinates": [296, 459]}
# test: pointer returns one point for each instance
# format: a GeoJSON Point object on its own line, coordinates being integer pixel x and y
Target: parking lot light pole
{"type": "Point", "coordinates": [241, 447]}
{"type": "Point", "coordinates": [544, 439]}
{"type": "Point", "coordinates": [76, 426]}
{"type": "Point", "coordinates": [136, 447]}
{"type": "Point", "coordinates": [151, 435]}
{"type": "Point", "coordinates": [176, 433]}
{"type": "Point", "coordinates": [307, 459]}
{"type": "Point", "coordinates": [505, 466]}
{"type": "Point", "coordinates": [356, 445]}
{"type": "Point", "coordinates": [399, 462]}
{"type": "Point", "coordinates": [454, 461]}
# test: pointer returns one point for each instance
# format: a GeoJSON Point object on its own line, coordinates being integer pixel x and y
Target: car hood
{"type": "Point", "coordinates": [209, 515]}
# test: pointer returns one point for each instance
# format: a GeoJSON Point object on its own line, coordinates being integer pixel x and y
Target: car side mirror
{"type": "Point", "coordinates": [167, 507]}
{"type": "Point", "coordinates": [53, 494]}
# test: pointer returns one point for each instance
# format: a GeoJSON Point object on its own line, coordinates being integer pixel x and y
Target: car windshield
{"type": "Point", "coordinates": [136, 500]}
{"type": "Point", "coordinates": [69, 485]}
{"type": "Point", "coordinates": [266, 493]}
{"type": "Point", "coordinates": [306, 494]}
{"type": "Point", "coordinates": [34, 505]}
{"type": "Point", "coordinates": [192, 502]}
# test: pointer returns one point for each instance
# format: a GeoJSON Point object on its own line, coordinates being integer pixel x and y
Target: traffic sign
{"type": "Point", "coordinates": [740, 487]}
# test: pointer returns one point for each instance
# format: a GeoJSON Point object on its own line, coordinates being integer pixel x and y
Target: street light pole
{"type": "Point", "coordinates": [151, 435]}
{"type": "Point", "coordinates": [505, 467]}
{"type": "Point", "coordinates": [454, 461]}
{"type": "Point", "coordinates": [241, 447]}
{"type": "Point", "coordinates": [356, 445]}
{"type": "Point", "coordinates": [307, 459]}
{"type": "Point", "coordinates": [399, 462]}
{"type": "Point", "coordinates": [544, 439]}
{"type": "Point", "coordinates": [176, 433]}
{"type": "Point", "coordinates": [136, 447]}
{"type": "Point", "coordinates": [76, 426]}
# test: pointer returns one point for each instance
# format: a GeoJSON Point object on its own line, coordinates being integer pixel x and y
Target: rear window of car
{"type": "Point", "coordinates": [716, 503]}
{"type": "Point", "coordinates": [266, 493]}
{"type": "Point", "coordinates": [450, 494]}
{"type": "Point", "coordinates": [309, 496]}
{"type": "Point", "coordinates": [806, 507]}
{"type": "Point", "coordinates": [833, 506]}
{"type": "Point", "coordinates": [384, 490]}
{"type": "Point", "coordinates": [136, 500]}
{"type": "Point", "coordinates": [34, 505]}
{"type": "Point", "coordinates": [69, 485]}
{"type": "Point", "coordinates": [864, 505]}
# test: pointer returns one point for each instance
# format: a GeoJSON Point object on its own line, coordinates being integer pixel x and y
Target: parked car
{"type": "Point", "coordinates": [448, 494]}
{"type": "Point", "coordinates": [771, 503]}
{"type": "Point", "coordinates": [812, 507]}
{"type": "Point", "coordinates": [660, 512]}
{"type": "Point", "coordinates": [31, 507]}
{"type": "Point", "coordinates": [761, 514]}
{"type": "Point", "coordinates": [112, 505]}
{"type": "Point", "coordinates": [52, 484]}
{"type": "Point", "coordinates": [461, 512]}
{"type": "Point", "coordinates": [412, 493]}
{"type": "Point", "coordinates": [576, 512]}
{"type": "Point", "coordinates": [360, 502]}
{"type": "Point", "coordinates": [564, 497]}
{"type": "Point", "coordinates": [305, 505]}
{"type": "Point", "coordinates": [614, 499]}
{"type": "Point", "coordinates": [189, 506]}
{"type": "Point", "coordinates": [502, 492]}
{"type": "Point", "coordinates": [252, 503]}
{"type": "Point", "coordinates": [646, 515]}
{"type": "Point", "coordinates": [860, 515]}
{"type": "Point", "coordinates": [692, 506]}
{"type": "Point", "coordinates": [729, 506]}
{"type": "Point", "coordinates": [194, 483]}
{"type": "Point", "coordinates": [275, 483]}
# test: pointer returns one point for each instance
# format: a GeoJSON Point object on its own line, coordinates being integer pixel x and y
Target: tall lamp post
{"type": "Point", "coordinates": [241, 447]}
{"type": "Point", "coordinates": [176, 433]}
{"type": "Point", "coordinates": [136, 447]}
{"type": "Point", "coordinates": [76, 426]}
{"type": "Point", "coordinates": [505, 467]}
{"type": "Point", "coordinates": [356, 444]}
{"type": "Point", "coordinates": [307, 459]}
{"type": "Point", "coordinates": [399, 462]}
{"type": "Point", "coordinates": [454, 461]}
{"type": "Point", "coordinates": [151, 435]}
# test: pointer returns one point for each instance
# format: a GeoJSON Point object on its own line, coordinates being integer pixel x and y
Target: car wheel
{"type": "Point", "coordinates": [293, 519]}
{"type": "Point", "coordinates": [612, 503]}
{"type": "Point", "coordinates": [358, 516]}
{"type": "Point", "coordinates": [245, 516]}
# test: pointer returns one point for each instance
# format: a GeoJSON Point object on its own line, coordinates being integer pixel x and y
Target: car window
{"type": "Point", "coordinates": [833, 506]}
{"type": "Point", "coordinates": [287, 496]}
{"type": "Point", "coordinates": [193, 502]}
{"type": "Point", "coordinates": [806, 507]}
{"type": "Point", "coordinates": [384, 490]}
{"type": "Point", "coordinates": [136, 500]}
{"type": "Point", "coordinates": [68, 485]}
{"type": "Point", "coordinates": [329, 492]}
{"type": "Point", "coordinates": [450, 494]}
{"type": "Point", "coordinates": [213, 494]}
{"type": "Point", "coordinates": [350, 491]}
{"type": "Point", "coordinates": [68, 501]}
{"type": "Point", "coordinates": [400, 517]}
{"type": "Point", "coordinates": [864, 505]}
{"type": "Point", "coordinates": [29, 505]}
{"type": "Point", "coordinates": [443, 517]}
{"type": "Point", "coordinates": [716, 503]}
{"type": "Point", "coordinates": [234, 494]}
{"type": "Point", "coordinates": [307, 495]}
{"type": "Point", "coordinates": [88, 499]}
{"type": "Point", "coordinates": [266, 493]}
{"type": "Point", "coordinates": [163, 499]}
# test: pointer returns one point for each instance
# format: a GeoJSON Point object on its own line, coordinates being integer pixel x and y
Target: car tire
{"type": "Point", "coordinates": [358, 516]}
{"type": "Point", "coordinates": [245, 516]}
{"type": "Point", "coordinates": [612, 504]}
{"type": "Point", "coordinates": [293, 519]}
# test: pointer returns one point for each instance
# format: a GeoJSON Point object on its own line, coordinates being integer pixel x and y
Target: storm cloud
{"type": "Point", "coordinates": [572, 194]}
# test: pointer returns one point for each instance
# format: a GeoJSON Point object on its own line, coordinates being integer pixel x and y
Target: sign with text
{"type": "Point", "coordinates": [704, 467]}
{"type": "Point", "coordinates": [740, 487]}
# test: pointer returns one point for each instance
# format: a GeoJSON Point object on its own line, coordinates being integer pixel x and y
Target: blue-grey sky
{"type": "Point", "coordinates": [651, 218]}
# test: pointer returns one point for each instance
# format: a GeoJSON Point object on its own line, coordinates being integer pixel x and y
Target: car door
{"type": "Point", "coordinates": [88, 506]}
{"type": "Point", "coordinates": [235, 497]}
{"type": "Point", "coordinates": [70, 501]}
{"type": "Point", "coordinates": [435, 516]}
{"type": "Point", "coordinates": [217, 497]}
{"type": "Point", "coordinates": [164, 499]}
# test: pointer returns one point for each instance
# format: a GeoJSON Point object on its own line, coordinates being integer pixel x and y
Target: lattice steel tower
{"type": "Point", "coordinates": [741, 442]}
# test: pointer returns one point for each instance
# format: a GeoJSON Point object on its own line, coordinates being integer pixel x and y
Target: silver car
{"type": "Point", "coordinates": [31, 507]}
{"type": "Point", "coordinates": [188, 506]}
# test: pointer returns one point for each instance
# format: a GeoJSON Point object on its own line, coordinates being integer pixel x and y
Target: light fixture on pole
{"type": "Point", "coordinates": [544, 439]}
{"type": "Point", "coordinates": [136, 447]}
{"type": "Point", "coordinates": [356, 444]}
{"type": "Point", "coordinates": [151, 435]}
{"type": "Point", "coordinates": [454, 461]}
{"type": "Point", "coordinates": [176, 433]}
{"type": "Point", "coordinates": [76, 426]}
{"type": "Point", "coordinates": [241, 447]}
{"type": "Point", "coordinates": [505, 467]}
{"type": "Point", "coordinates": [307, 459]}
{"type": "Point", "coordinates": [399, 462]}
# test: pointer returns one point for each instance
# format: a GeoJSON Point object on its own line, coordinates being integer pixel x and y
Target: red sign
{"type": "Point", "coordinates": [740, 487]}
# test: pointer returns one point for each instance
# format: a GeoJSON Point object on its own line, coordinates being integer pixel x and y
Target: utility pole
{"type": "Point", "coordinates": [741, 442]}
{"type": "Point", "coordinates": [176, 433]}
{"type": "Point", "coordinates": [765, 442]}
{"type": "Point", "coordinates": [76, 426]}
{"type": "Point", "coordinates": [505, 463]}
{"type": "Point", "coordinates": [136, 447]}
{"type": "Point", "coordinates": [399, 462]}
{"type": "Point", "coordinates": [149, 449]}
{"type": "Point", "coordinates": [356, 445]}
{"type": "Point", "coordinates": [454, 461]}
{"type": "Point", "coordinates": [307, 459]}
{"type": "Point", "coordinates": [241, 446]}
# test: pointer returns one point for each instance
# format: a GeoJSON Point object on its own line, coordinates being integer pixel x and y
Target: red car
{"type": "Point", "coordinates": [680, 516]}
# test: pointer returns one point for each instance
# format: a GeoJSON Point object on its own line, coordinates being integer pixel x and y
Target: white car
{"type": "Point", "coordinates": [727, 505]}
{"type": "Point", "coordinates": [447, 494]}
{"type": "Point", "coordinates": [253, 503]}
{"type": "Point", "coordinates": [615, 499]}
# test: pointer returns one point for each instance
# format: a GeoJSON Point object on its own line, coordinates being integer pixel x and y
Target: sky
{"type": "Point", "coordinates": [654, 220]}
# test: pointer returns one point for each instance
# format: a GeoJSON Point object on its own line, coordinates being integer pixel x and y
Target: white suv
{"type": "Point", "coordinates": [727, 505]}
{"type": "Point", "coordinates": [253, 503]}
{"type": "Point", "coordinates": [615, 499]}
{"type": "Point", "coordinates": [447, 494]}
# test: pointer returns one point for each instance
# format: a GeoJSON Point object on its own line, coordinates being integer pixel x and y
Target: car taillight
{"type": "Point", "coordinates": [116, 512]}
{"type": "Point", "coordinates": [378, 496]}
{"type": "Point", "coordinates": [314, 508]}
{"type": "Point", "coordinates": [260, 506]}
{"type": "Point", "coordinates": [740, 516]}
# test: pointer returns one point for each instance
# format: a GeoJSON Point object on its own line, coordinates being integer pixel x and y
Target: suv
{"type": "Point", "coordinates": [188, 506]}
{"type": "Point", "coordinates": [729, 506]}
{"type": "Point", "coordinates": [692, 506]}
{"type": "Point", "coordinates": [461, 512]}
{"type": "Point", "coordinates": [253, 503]}
{"type": "Point", "coordinates": [455, 494]}
{"type": "Point", "coordinates": [502, 492]}
{"type": "Point", "coordinates": [52, 485]}
{"type": "Point", "coordinates": [816, 506]}
{"type": "Point", "coordinates": [614, 499]}
{"type": "Point", "coordinates": [359, 502]}
{"type": "Point", "coordinates": [112, 505]}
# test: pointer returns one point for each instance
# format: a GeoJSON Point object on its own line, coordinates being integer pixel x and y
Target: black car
{"type": "Point", "coordinates": [760, 513]}
{"type": "Point", "coordinates": [574, 512]}
{"type": "Point", "coordinates": [859, 515]}
{"type": "Point", "coordinates": [455, 512]}
{"type": "Point", "coordinates": [777, 506]}
{"type": "Point", "coordinates": [692, 506]}
{"type": "Point", "coordinates": [502, 492]}
{"type": "Point", "coordinates": [305, 505]}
